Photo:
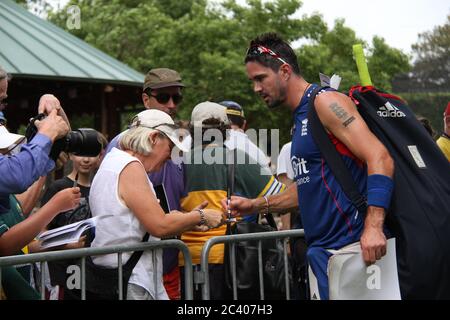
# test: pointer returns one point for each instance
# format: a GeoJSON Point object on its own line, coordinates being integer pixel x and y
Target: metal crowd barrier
{"type": "Point", "coordinates": [203, 277]}
{"type": "Point", "coordinates": [84, 252]}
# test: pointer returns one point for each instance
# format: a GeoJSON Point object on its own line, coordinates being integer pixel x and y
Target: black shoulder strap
{"type": "Point", "coordinates": [230, 157]}
{"type": "Point", "coordinates": [131, 263]}
{"type": "Point", "coordinates": [332, 157]}
{"type": "Point", "coordinates": [271, 221]}
{"type": "Point", "coordinates": [231, 168]}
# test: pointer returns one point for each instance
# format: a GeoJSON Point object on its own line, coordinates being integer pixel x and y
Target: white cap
{"type": "Point", "coordinates": [158, 120]}
{"type": "Point", "coordinates": [208, 110]}
{"type": "Point", "coordinates": [8, 139]}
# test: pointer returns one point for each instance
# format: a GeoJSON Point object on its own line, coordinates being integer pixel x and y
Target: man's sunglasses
{"type": "Point", "coordinates": [258, 50]}
{"type": "Point", "coordinates": [165, 97]}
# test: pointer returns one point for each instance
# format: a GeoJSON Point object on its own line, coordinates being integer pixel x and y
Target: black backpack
{"type": "Point", "coordinates": [419, 214]}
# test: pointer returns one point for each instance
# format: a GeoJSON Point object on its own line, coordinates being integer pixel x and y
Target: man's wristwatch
{"type": "Point", "coordinates": [202, 217]}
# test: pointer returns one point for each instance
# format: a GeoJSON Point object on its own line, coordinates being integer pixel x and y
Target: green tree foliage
{"type": "Point", "coordinates": [432, 67]}
{"type": "Point", "coordinates": [334, 54]}
{"type": "Point", "coordinates": [84, 120]}
{"type": "Point", "coordinates": [430, 106]}
{"type": "Point", "coordinates": [206, 42]}
{"type": "Point", "coordinates": [386, 62]}
{"type": "Point", "coordinates": [427, 87]}
{"type": "Point", "coordinates": [176, 9]}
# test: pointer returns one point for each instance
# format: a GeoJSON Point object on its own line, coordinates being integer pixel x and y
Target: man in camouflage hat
{"type": "Point", "coordinates": [162, 90]}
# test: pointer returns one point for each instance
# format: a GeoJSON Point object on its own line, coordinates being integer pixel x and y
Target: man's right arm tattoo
{"type": "Point", "coordinates": [341, 114]}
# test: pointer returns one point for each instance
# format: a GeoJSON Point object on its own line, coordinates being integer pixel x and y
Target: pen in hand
{"type": "Point", "coordinates": [230, 218]}
{"type": "Point", "coordinates": [75, 183]}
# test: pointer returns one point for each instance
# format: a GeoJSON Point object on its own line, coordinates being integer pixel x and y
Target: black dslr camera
{"type": "Point", "coordinates": [83, 142]}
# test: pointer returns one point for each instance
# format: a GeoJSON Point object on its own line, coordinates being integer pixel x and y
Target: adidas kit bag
{"type": "Point", "coordinates": [419, 214]}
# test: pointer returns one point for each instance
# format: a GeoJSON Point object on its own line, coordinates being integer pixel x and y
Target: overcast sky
{"type": "Point", "coordinates": [398, 21]}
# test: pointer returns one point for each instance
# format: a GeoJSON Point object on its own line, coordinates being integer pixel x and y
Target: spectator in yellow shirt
{"type": "Point", "coordinates": [444, 140]}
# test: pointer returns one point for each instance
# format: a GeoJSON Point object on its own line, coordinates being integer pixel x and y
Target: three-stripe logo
{"type": "Point", "coordinates": [390, 111]}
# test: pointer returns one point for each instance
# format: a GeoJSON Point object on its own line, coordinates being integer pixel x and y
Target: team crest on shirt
{"type": "Point", "coordinates": [304, 127]}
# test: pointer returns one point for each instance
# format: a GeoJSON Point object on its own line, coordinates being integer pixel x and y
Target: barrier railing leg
{"type": "Point", "coordinates": [155, 273]}
{"type": "Point", "coordinates": [260, 270]}
{"type": "Point", "coordinates": [188, 282]}
{"type": "Point", "coordinates": [233, 270]}
{"type": "Point", "coordinates": [83, 278]}
{"type": "Point", "coordinates": [42, 265]}
{"type": "Point", "coordinates": [286, 269]}
{"type": "Point", "coordinates": [201, 276]}
{"type": "Point", "coordinates": [120, 275]}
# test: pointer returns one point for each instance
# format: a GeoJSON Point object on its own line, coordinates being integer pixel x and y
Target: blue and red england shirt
{"type": "Point", "coordinates": [329, 218]}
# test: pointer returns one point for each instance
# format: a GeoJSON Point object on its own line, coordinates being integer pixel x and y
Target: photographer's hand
{"type": "Point", "coordinates": [53, 126]}
{"type": "Point", "coordinates": [48, 103]}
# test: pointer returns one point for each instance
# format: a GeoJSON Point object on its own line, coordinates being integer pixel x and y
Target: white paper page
{"type": "Point", "coordinates": [350, 278]}
{"type": "Point", "coordinates": [60, 230]}
{"type": "Point", "coordinates": [70, 237]}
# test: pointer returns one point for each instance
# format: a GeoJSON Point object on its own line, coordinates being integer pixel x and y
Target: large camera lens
{"type": "Point", "coordinates": [83, 142]}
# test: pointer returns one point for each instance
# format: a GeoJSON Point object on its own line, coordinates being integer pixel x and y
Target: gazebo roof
{"type": "Point", "coordinates": [31, 47]}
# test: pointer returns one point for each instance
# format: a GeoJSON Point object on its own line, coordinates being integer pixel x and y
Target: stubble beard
{"type": "Point", "coordinates": [279, 99]}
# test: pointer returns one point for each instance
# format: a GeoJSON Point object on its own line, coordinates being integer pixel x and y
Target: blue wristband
{"type": "Point", "coordinates": [379, 190]}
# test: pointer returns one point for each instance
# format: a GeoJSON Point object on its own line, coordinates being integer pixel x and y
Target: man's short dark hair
{"type": "Point", "coordinates": [280, 47]}
{"type": "Point", "coordinates": [235, 112]}
{"type": "Point", "coordinates": [237, 121]}
{"type": "Point", "coordinates": [427, 125]}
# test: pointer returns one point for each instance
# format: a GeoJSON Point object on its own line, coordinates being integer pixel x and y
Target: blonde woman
{"type": "Point", "coordinates": [122, 188]}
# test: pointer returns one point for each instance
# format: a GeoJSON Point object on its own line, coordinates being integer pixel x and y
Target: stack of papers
{"type": "Point", "coordinates": [66, 234]}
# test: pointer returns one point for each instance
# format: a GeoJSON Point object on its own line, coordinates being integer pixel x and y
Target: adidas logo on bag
{"type": "Point", "coordinates": [390, 111]}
